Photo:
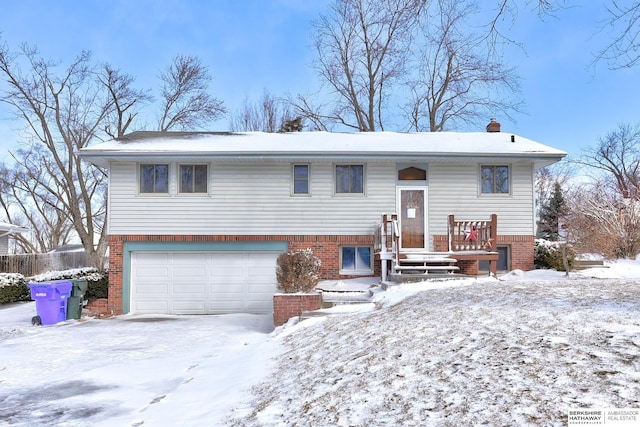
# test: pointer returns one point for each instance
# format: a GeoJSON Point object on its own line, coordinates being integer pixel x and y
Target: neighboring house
{"type": "Point", "coordinates": [197, 220]}
{"type": "Point", "coordinates": [7, 230]}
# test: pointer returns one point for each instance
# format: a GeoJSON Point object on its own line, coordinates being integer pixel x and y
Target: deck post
{"type": "Point", "coordinates": [493, 264]}
{"type": "Point", "coordinates": [395, 235]}
{"type": "Point", "coordinates": [383, 234]}
{"type": "Point", "coordinates": [450, 232]}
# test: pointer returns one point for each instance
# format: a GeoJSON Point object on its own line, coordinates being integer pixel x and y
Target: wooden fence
{"type": "Point", "coordinates": [32, 264]}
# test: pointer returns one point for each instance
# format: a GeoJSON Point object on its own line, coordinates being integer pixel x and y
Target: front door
{"type": "Point", "coordinates": [412, 212]}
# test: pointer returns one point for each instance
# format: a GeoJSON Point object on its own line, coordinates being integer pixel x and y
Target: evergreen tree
{"type": "Point", "coordinates": [550, 213]}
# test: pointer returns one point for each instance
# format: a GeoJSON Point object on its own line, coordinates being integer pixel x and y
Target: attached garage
{"type": "Point", "coordinates": [202, 282]}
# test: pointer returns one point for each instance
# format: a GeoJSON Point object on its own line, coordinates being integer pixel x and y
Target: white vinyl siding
{"type": "Point", "coordinates": [454, 188]}
{"type": "Point", "coordinates": [255, 198]}
{"type": "Point", "coordinates": [252, 198]}
{"type": "Point", "coordinates": [4, 245]}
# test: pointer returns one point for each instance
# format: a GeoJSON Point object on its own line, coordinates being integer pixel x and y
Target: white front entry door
{"type": "Point", "coordinates": [412, 213]}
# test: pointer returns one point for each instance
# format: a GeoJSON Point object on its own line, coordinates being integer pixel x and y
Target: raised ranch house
{"type": "Point", "coordinates": [197, 220]}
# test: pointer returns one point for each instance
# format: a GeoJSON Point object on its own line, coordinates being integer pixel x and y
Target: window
{"type": "Point", "coordinates": [504, 259]}
{"type": "Point", "coordinates": [350, 179]}
{"type": "Point", "coordinates": [494, 179]}
{"type": "Point", "coordinates": [154, 178]}
{"type": "Point", "coordinates": [300, 179]}
{"type": "Point", "coordinates": [355, 260]}
{"type": "Point", "coordinates": [412, 174]}
{"type": "Point", "coordinates": [193, 178]}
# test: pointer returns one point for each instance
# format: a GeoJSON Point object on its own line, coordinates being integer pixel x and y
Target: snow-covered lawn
{"type": "Point", "coordinates": [522, 350]}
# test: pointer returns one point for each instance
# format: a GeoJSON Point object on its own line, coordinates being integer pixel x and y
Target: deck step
{"type": "Point", "coordinates": [427, 259]}
{"type": "Point", "coordinates": [427, 267]}
{"type": "Point", "coordinates": [425, 263]}
{"type": "Point", "coordinates": [584, 264]}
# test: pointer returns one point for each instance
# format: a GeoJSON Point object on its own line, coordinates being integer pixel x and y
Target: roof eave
{"type": "Point", "coordinates": [103, 159]}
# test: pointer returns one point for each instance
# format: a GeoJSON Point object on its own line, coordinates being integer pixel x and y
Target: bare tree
{"type": "Point", "coordinates": [604, 215]}
{"type": "Point", "coordinates": [420, 54]}
{"type": "Point", "coordinates": [63, 113]}
{"type": "Point", "coordinates": [457, 80]}
{"type": "Point", "coordinates": [508, 11]}
{"type": "Point", "coordinates": [362, 47]}
{"type": "Point", "coordinates": [126, 100]}
{"type": "Point", "coordinates": [26, 199]}
{"type": "Point", "coordinates": [186, 102]}
{"type": "Point", "coordinates": [601, 222]}
{"type": "Point", "coordinates": [617, 157]}
{"type": "Point", "coordinates": [266, 115]}
{"type": "Point", "coordinates": [623, 23]}
{"type": "Point", "coordinates": [47, 187]}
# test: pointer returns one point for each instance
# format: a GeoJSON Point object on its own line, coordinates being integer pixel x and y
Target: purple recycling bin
{"type": "Point", "coordinates": [51, 300]}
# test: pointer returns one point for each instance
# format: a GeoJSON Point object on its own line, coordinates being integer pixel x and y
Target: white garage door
{"type": "Point", "coordinates": [203, 282]}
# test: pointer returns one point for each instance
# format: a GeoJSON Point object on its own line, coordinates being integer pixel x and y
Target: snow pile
{"type": "Point", "coordinates": [497, 353]}
{"type": "Point", "coordinates": [11, 279]}
{"type": "Point", "coordinates": [89, 273]}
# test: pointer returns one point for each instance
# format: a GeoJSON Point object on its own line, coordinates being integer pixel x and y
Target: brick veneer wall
{"type": "Point", "coordinates": [521, 250]}
{"type": "Point", "coordinates": [325, 247]}
{"type": "Point", "coordinates": [286, 306]}
{"type": "Point", "coordinates": [98, 307]}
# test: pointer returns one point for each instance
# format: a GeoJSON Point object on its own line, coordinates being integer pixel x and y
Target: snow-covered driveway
{"type": "Point", "coordinates": [128, 370]}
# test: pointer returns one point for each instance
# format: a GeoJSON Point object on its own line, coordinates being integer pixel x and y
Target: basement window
{"type": "Point", "coordinates": [504, 260]}
{"type": "Point", "coordinates": [356, 260]}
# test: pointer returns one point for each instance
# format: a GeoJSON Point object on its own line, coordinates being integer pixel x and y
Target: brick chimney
{"type": "Point", "coordinates": [493, 126]}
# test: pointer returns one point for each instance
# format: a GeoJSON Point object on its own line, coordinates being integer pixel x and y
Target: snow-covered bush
{"type": "Point", "coordinates": [97, 280]}
{"type": "Point", "coordinates": [13, 287]}
{"type": "Point", "coordinates": [549, 254]}
{"type": "Point", "coordinates": [297, 271]}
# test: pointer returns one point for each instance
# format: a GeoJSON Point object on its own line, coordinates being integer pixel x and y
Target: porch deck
{"type": "Point", "coordinates": [469, 241]}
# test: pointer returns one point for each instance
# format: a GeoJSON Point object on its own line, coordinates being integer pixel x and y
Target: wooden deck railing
{"type": "Point", "coordinates": [468, 240]}
{"type": "Point", "coordinates": [386, 234]}
{"type": "Point", "coordinates": [472, 235]}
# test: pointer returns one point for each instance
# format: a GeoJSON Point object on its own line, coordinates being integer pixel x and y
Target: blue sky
{"type": "Point", "coordinates": [253, 45]}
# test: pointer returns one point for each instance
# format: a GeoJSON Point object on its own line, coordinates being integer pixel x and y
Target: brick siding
{"type": "Point", "coordinates": [286, 306]}
{"type": "Point", "coordinates": [521, 251]}
{"type": "Point", "coordinates": [98, 307]}
{"type": "Point", "coordinates": [325, 247]}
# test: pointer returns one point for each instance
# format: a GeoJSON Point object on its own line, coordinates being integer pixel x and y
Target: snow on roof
{"type": "Point", "coordinates": [363, 145]}
{"type": "Point", "coordinates": [7, 228]}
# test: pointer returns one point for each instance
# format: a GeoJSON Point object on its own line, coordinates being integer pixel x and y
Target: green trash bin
{"type": "Point", "coordinates": [74, 302]}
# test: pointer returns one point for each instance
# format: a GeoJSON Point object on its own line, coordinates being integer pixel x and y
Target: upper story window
{"type": "Point", "coordinates": [494, 179]}
{"type": "Point", "coordinates": [300, 179]}
{"type": "Point", "coordinates": [193, 178]}
{"type": "Point", "coordinates": [412, 173]}
{"type": "Point", "coordinates": [154, 178]}
{"type": "Point", "coordinates": [350, 179]}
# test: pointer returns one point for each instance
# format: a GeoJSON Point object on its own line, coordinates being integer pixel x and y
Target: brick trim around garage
{"type": "Point", "coordinates": [326, 247]}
